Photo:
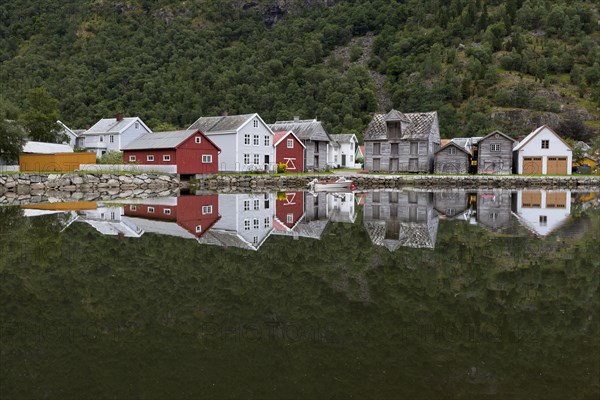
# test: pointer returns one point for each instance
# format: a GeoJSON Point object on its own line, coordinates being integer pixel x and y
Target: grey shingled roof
{"type": "Point", "coordinates": [160, 140]}
{"type": "Point", "coordinates": [342, 138]}
{"type": "Point", "coordinates": [106, 125]}
{"type": "Point", "coordinates": [307, 129]}
{"type": "Point", "coordinates": [421, 126]}
{"type": "Point", "coordinates": [229, 123]}
{"type": "Point", "coordinates": [411, 234]}
{"type": "Point", "coordinates": [453, 144]}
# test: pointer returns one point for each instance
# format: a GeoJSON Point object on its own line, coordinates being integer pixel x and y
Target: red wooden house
{"type": "Point", "coordinates": [184, 216]}
{"type": "Point", "coordinates": [191, 151]}
{"type": "Point", "coordinates": [288, 211]}
{"type": "Point", "coordinates": [289, 150]}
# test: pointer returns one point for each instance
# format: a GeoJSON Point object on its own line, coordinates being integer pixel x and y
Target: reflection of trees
{"type": "Point", "coordinates": [481, 314]}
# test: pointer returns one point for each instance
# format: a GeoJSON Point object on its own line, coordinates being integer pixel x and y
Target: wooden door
{"type": "Point", "coordinates": [532, 165]}
{"type": "Point", "coordinates": [557, 166]}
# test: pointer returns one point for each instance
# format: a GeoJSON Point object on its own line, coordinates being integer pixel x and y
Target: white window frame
{"type": "Point", "coordinates": [267, 140]}
{"type": "Point", "coordinates": [267, 222]}
{"type": "Point", "coordinates": [111, 138]}
{"type": "Point", "coordinates": [255, 240]}
{"type": "Point", "coordinates": [290, 143]}
{"type": "Point", "coordinates": [256, 223]}
{"type": "Point", "coordinates": [198, 139]}
{"type": "Point", "coordinates": [132, 158]}
{"type": "Point", "coordinates": [289, 218]}
{"type": "Point", "coordinates": [256, 159]}
{"type": "Point", "coordinates": [246, 205]}
{"type": "Point", "coordinates": [137, 125]}
{"type": "Point", "coordinates": [166, 157]}
{"type": "Point", "coordinates": [206, 209]}
{"type": "Point", "coordinates": [150, 157]}
{"type": "Point", "coordinates": [495, 147]}
{"type": "Point", "coordinates": [247, 139]}
{"type": "Point", "coordinates": [206, 158]}
{"type": "Point", "coordinates": [246, 224]}
{"type": "Point", "coordinates": [167, 211]}
{"type": "Point", "coordinates": [256, 123]}
{"type": "Point", "coordinates": [452, 151]}
{"type": "Point", "coordinates": [256, 140]}
{"type": "Point", "coordinates": [150, 210]}
{"type": "Point", "coordinates": [133, 207]}
{"type": "Point", "coordinates": [198, 228]}
{"type": "Point", "coordinates": [256, 204]}
{"type": "Point", "coordinates": [246, 159]}
{"type": "Point", "coordinates": [102, 138]}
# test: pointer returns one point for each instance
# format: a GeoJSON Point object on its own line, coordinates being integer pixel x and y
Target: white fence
{"type": "Point", "coordinates": [9, 168]}
{"type": "Point", "coordinates": [168, 169]}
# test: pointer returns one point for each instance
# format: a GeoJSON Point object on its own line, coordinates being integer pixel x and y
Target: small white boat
{"type": "Point", "coordinates": [341, 184]}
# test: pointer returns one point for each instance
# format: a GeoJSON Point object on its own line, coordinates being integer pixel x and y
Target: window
{"type": "Point", "coordinates": [133, 207]}
{"type": "Point", "coordinates": [545, 144]}
{"type": "Point", "coordinates": [267, 222]}
{"type": "Point", "coordinates": [452, 150]}
{"type": "Point", "coordinates": [246, 138]}
{"type": "Point", "coordinates": [414, 148]}
{"type": "Point", "coordinates": [543, 220]}
{"type": "Point", "coordinates": [255, 240]}
{"type": "Point", "coordinates": [112, 215]}
{"type": "Point", "coordinates": [206, 158]}
{"type": "Point", "coordinates": [149, 157]}
{"type": "Point", "coordinates": [112, 138]}
{"type": "Point", "coordinates": [131, 158]}
{"type": "Point", "coordinates": [198, 228]}
{"type": "Point", "coordinates": [267, 141]}
{"type": "Point", "coordinates": [290, 218]}
{"type": "Point", "coordinates": [198, 139]}
{"type": "Point", "coordinates": [166, 157]}
{"type": "Point", "coordinates": [394, 130]}
{"type": "Point", "coordinates": [246, 205]}
{"type": "Point", "coordinates": [102, 138]}
{"type": "Point", "coordinates": [256, 140]}
{"type": "Point", "coordinates": [150, 210]}
{"type": "Point", "coordinates": [377, 148]}
{"type": "Point", "coordinates": [167, 211]}
{"type": "Point", "coordinates": [256, 123]}
{"type": "Point", "coordinates": [335, 158]}
{"type": "Point", "coordinates": [267, 204]}
{"type": "Point", "coordinates": [290, 143]}
{"type": "Point", "coordinates": [257, 159]}
{"type": "Point", "coordinates": [137, 125]}
{"type": "Point", "coordinates": [206, 209]}
{"type": "Point", "coordinates": [495, 147]}
{"type": "Point", "coordinates": [394, 148]}
{"type": "Point", "coordinates": [246, 159]}
{"type": "Point", "coordinates": [257, 204]}
{"type": "Point", "coordinates": [351, 158]}
{"type": "Point", "coordinates": [246, 224]}
{"type": "Point", "coordinates": [255, 223]}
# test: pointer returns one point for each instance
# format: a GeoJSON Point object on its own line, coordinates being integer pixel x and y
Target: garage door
{"type": "Point", "coordinates": [557, 165]}
{"type": "Point", "coordinates": [556, 200]}
{"type": "Point", "coordinates": [532, 165]}
{"type": "Point", "coordinates": [531, 200]}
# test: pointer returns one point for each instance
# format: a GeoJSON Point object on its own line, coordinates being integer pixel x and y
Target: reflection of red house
{"type": "Point", "coordinates": [289, 211]}
{"type": "Point", "coordinates": [191, 151]}
{"type": "Point", "coordinates": [195, 214]}
{"type": "Point", "coordinates": [289, 150]}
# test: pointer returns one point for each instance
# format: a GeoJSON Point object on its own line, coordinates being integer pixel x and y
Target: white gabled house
{"type": "Point", "coordinates": [112, 134]}
{"type": "Point", "coordinates": [344, 151]}
{"type": "Point", "coordinates": [246, 142]}
{"type": "Point", "coordinates": [542, 211]}
{"type": "Point", "coordinates": [74, 138]}
{"type": "Point", "coordinates": [542, 152]}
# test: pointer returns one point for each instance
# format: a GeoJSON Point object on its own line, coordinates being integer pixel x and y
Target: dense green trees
{"type": "Point", "coordinates": [170, 62]}
{"type": "Point", "coordinates": [12, 135]}
{"type": "Point", "coordinates": [41, 116]}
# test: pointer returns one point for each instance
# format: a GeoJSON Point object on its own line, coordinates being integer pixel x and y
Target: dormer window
{"type": "Point", "coordinates": [394, 129]}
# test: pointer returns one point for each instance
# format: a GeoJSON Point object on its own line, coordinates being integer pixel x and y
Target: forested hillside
{"type": "Point", "coordinates": [482, 64]}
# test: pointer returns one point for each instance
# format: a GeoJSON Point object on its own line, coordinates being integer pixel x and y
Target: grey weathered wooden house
{"type": "Point", "coordinates": [494, 210]}
{"type": "Point", "coordinates": [452, 159]}
{"type": "Point", "coordinates": [495, 154]}
{"type": "Point", "coordinates": [401, 219]}
{"type": "Point", "coordinates": [313, 135]}
{"type": "Point", "coordinates": [397, 142]}
{"type": "Point", "coordinates": [452, 205]}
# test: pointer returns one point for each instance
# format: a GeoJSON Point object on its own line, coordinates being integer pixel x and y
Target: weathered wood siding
{"type": "Point", "coordinates": [400, 161]}
{"type": "Point", "coordinates": [494, 210]}
{"type": "Point", "coordinates": [495, 162]}
{"type": "Point", "coordinates": [446, 163]}
{"type": "Point", "coordinates": [311, 152]}
{"type": "Point", "coordinates": [451, 204]}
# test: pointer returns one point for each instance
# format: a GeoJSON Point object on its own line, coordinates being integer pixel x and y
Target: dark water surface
{"type": "Point", "coordinates": [387, 294]}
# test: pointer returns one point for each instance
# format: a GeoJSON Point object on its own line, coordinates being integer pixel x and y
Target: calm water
{"type": "Point", "coordinates": [288, 295]}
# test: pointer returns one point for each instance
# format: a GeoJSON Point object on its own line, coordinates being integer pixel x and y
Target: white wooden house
{"type": "Point", "coordinates": [112, 134]}
{"type": "Point", "coordinates": [542, 152]}
{"type": "Point", "coordinates": [246, 142]}
{"type": "Point", "coordinates": [344, 150]}
{"type": "Point", "coordinates": [542, 211]}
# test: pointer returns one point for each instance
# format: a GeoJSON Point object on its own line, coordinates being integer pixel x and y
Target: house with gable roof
{"type": "Point", "coordinates": [289, 150]}
{"type": "Point", "coordinates": [112, 134]}
{"type": "Point", "coordinates": [344, 152]}
{"type": "Point", "coordinates": [543, 152]}
{"type": "Point", "coordinates": [494, 154]}
{"type": "Point", "coordinates": [452, 158]}
{"type": "Point", "coordinates": [246, 142]}
{"type": "Point", "coordinates": [315, 138]}
{"type": "Point", "coordinates": [399, 142]}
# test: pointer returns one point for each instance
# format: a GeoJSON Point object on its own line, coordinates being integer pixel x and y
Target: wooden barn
{"type": "Point", "coordinates": [289, 150]}
{"type": "Point", "coordinates": [452, 159]}
{"type": "Point", "coordinates": [495, 154]}
{"type": "Point", "coordinates": [190, 151]}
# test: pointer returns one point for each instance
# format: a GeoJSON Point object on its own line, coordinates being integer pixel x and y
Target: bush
{"type": "Point", "coordinates": [112, 157]}
{"type": "Point", "coordinates": [281, 168]}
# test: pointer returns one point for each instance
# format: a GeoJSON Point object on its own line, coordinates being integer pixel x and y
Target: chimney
{"type": "Point", "coordinates": [296, 118]}
{"type": "Point", "coordinates": [119, 117]}
{"type": "Point", "coordinates": [225, 113]}
{"type": "Point", "coordinates": [88, 126]}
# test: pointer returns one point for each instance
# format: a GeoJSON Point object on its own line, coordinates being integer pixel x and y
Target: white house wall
{"type": "Point", "coordinates": [228, 156]}
{"type": "Point", "coordinates": [533, 148]}
{"type": "Point", "coordinates": [555, 217]}
{"type": "Point", "coordinates": [262, 131]}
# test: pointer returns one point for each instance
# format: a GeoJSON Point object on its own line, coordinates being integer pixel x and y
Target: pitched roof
{"type": "Point", "coordinates": [307, 129]}
{"type": "Point", "coordinates": [343, 137]}
{"type": "Point", "coordinates": [529, 137]}
{"type": "Point", "coordinates": [419, 126]}
{"type": "Point", "coordinates": [111, 125]}
{"type": "Point", "coordinates": [411, 234]}
{"type": "Point", "coordinates": [453, 145]}
{"type": "Point", "coordinates": [280, 135]}
{"type": "Point", "coordinates": [493, 134]}
{"type": "Point", "coordinates": [45, 148]}
{"type": "Point", "coordinates": [69, 131]}
{"type": "Point", "coordinates": [162, 140]}
{"type": "Point", "coordinates": [225, 123]}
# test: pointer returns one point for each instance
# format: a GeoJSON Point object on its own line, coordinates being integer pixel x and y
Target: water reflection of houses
{"type": "Point", "coordinates": [246, 221]}
{"type": "Point", "coordinates": [454, 205]}
{"type": "Point", "coordinates": [401, 219]}
{"type": "Point", "coordinates": [494, 210]}
{"type": "Point", "coordinates": [109, 220]}
{"type": "Point", "coordinates": [341, 207]}
{"type": "Point", "coordinates": [542, 211]}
